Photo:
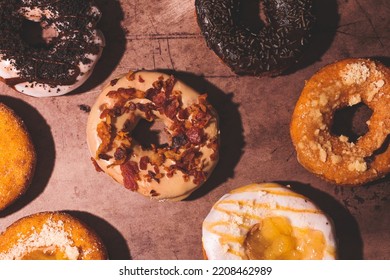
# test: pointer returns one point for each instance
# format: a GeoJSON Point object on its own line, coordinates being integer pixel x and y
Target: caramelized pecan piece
{"type": "Point", "coordinates": [130, 173]}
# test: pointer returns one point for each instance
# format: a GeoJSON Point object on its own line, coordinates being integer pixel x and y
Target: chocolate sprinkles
{"type": "Point", "coordinates": [56, 62]}
{"type": "Point", "coordinates": [274, 48]}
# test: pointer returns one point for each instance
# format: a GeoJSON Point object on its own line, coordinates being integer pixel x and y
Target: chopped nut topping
{"type": "Point", "coordinates": [104, 133]}
{"type": "Point", "coordinates": [130, 76]}
{"type": "Point", "coordinates": [186, 131]}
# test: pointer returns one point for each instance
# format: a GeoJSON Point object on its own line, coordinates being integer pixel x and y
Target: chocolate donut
{"type": "Point", "coordinates": [275, 47]}
{"type": "Point", "coordinates": [60, 64]}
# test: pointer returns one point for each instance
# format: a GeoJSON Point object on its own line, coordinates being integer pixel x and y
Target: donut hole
{"type": "Point", "coordinates": [252, 15]}
{"type": "Point", "coordinates": [150, 133]}
{"type": "Point", "coordinates": [37, 34]}
{"type": "Point", "coordinates": [351, 121]}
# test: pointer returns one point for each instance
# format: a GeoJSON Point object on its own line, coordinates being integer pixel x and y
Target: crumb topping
{"type": "Point", "coordinates": [319, 150]}
{"type": "Point", "coordinates": [357, 165]}
{"type": "Point", "coordinates": [355, 73]}
{"type": "Point", "coordinates": [354, 99]}
{"type": "Point", "coordinates": [374, 88]}
{"type": "Point", "coordinates": [51, 236]}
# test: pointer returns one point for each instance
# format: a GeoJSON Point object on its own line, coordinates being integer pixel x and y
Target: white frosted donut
{"type": "Point", "coordinates": [267, 221]}
{"type": "Point", "coordinates": [65, 62]}
{"type": "Point", "coordinates": [168, 172]}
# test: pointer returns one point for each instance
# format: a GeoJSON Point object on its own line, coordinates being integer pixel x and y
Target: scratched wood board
{"type": "Point", "coordinates": [255, 115]}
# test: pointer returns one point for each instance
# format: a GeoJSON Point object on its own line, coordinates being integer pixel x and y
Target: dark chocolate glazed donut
{"type": "Point", "coordinates": [55, 67]}
{"type": "Point", "coordinates": [278, 44]}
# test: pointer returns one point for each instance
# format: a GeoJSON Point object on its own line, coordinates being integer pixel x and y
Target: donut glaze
{"type": "Point", "coordinates": [172, 171]}
{"type": "Point", "coordinates": [17, 157]}
{"type": "Point", "coordinates": [278, 44]}
{"type": "Point", "coordinates": [228, 228]}
{"type": "Point", "coordinates": [332, 157]}
{"type": "Point", "coordinates": [62, 64]}
{"type": "Point", "coordinates": [50, 236]}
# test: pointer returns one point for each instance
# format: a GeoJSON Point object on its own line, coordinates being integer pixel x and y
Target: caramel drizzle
{"type": "Point", "coordinates": [269, 189]}
{"type": "Point", "coordinates": [257, 206]}
{"type": "Point", "coordinates": [224, 238]}
{"type": "Point", "coordinates": [254, 188]}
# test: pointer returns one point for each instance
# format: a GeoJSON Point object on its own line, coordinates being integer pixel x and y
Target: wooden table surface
{"type": "Point", "coordinates": [255, 115]}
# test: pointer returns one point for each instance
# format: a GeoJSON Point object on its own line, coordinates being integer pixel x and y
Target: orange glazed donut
{"type": "Point", "coordinates": [335, 158]}
{"type": "Point", "coordinates": [166, 172]}
{"type": "Point", "coordinates": [17, 157]}
{"type": "Point", "coordinates": [50, 236]}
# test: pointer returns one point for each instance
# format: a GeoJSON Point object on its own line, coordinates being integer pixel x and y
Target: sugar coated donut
{"type": "Point", "coordinates": [335, 158]}
{"type": "Point", "coordinates": [165, 172]}
{"type": "Point", "coordinates": [64, 61]}
{"type": "Point", "coordinates": [17, 157]}
{"type": "Point", "coordinates": [275, 47]}
{"type": "Point", "coordinates": [267, 221]}
{"type": "Point", "coordinates": [50, 236]}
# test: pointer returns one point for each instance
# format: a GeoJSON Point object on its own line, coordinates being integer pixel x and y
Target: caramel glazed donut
{"type": "Point", "coordinates": [17, 157]}
{"type": "Point", "coordinates": [267, 221]}
{"type": "Point", "coordinates": [50, 236]}
{"type": "Point", "coordinates": [275, 47]}
{"type": "Point", "coordinates": [165, 172]}
{"type": "Point", "coordinates": [64, 62]}
{"type": "Point", "coordinates": [336, 158]}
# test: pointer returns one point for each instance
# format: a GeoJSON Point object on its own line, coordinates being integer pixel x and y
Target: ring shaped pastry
{"type": "Point", "coordinates": [335, 158]}
{"type": "Point", "coordinates": [59, 65]}
{"type": "Point", "coordinates": [278, 44]}
{"type": "Point", "coordinates": [267, 221]}
{"type": "Point", "coordinates": [17, 157]}
{"type": "Point", "coordinates": [171, 171]}
{"type": "Point", "coordinates": [50, 236]}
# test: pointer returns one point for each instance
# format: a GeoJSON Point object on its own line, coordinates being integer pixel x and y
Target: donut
{"type": "Point", "coordinates": [171, 171]}
{"type": "Point", "coordinates": [336, 158]}
{"type": "Point", "coordinates": [67, 57]}
{"type": "Point", "coordinates": [17, 157]}
{"type": "Point", "coordinates": [275, 47]}
{"type": "Point", "coordinates": [50, 236]}
{"type": "Point", "coordinates": [267, 222]}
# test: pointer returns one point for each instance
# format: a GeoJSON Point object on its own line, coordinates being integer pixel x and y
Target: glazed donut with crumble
{"type": "Point", "coordinates": [162, 172]}
{"type": "Point", "coordinates": [267, 221]}
{"type": "Point", "coordinates": [336, 158]}
{"type": "Point", "coordinates": [71, 48]}
{"type": "Point", "coordinates": [50, 236]}
{"type": "Point", "coordinates": [17, 157]}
